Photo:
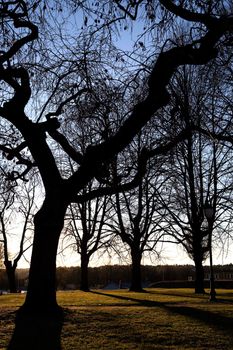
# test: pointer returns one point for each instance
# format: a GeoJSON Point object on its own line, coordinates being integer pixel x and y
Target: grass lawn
{"type": "Point", "coordinates": [173, 319]}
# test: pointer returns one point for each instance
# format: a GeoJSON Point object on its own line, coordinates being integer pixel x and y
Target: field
{"type": "Point", "coordinates": [162, 319]}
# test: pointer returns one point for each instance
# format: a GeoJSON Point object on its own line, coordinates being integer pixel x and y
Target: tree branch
{"type": "Point", "coordinates": [22, 91]}
{"type": "Point", "coordinates": [208, 20]}
{"type": "Point", "coordinates": [142, 163]}
{"type": "Point", "coordinates": [18, 23]}
{"type": "Point", "coordinates": [63, 142]}
{"type": "Point", "coordinates": [158, 97]}
{"type": "Point", "coordinates": [63, 103]}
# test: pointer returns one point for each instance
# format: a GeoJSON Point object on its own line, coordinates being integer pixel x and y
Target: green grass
{"type": "Point", "coordinates": [173, 319]}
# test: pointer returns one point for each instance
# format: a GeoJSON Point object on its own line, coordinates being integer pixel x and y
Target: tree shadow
{"type": "Point", "coordinates": [223, 323]}
{"type": "Point", "coordinates": [177, 294]}
{"type": "Point", "coordinates": [220, 299]}
{"type": "Point", "coordinates": [37, 332]}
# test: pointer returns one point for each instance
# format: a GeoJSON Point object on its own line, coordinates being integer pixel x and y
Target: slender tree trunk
{"type": "Point", "coordinates": [41, 294]}
{"type": "Point", "coordinates": [10, 271]}
{"type": "Point", "coordinates": [199, 280]}
{"type": "Point", "coordinates": [136, 281]}
{"type": "Point", "coordinates": [84, 283]}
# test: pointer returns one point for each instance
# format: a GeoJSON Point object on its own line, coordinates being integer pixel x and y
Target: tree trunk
{"type": "Point", "coordinates": [10, 271]}
{"type": "Point", "coordinates": [136, 282]}
{"type": "Point", "coordinates": [84, 283]}
{"type": "Point", "coordinates": [49, 221]}
{"type": "Point", "coordinates": [199, 280]}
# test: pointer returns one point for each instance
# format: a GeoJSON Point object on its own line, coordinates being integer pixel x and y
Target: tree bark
{"type": "Point", "coordinates": [199, 280]}
{"type": "Point", "coordinates": [136, 280]}
{"type": "Point", "coordinates": [84, 283]}
{"type": "Point", "coordinates": [41, 294]}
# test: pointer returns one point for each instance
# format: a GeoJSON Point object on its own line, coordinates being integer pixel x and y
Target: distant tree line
{"type": "Point", "coordinates": [119, 276]}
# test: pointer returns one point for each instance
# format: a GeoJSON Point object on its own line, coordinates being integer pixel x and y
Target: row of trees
{"type": "Point", "coordinates": [126, 143]}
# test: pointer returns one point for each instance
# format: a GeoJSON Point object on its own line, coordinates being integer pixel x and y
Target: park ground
{"type": "Point", "coordinates": [163, 319]}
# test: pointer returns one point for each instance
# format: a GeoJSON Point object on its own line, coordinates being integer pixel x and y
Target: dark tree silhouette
{"type": "Point", "coordinates": [85, 232]}
{"type": "Point", "coordinates": [198, 167]}
{"type": "Point", "coordinates": [17, 203]}
{"type": "Point", "coordinates": [137, 220]}
{"type": "Point", "coordinates": [36, 137]}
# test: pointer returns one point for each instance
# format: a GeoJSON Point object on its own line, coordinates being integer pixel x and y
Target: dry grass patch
{"type": "Point", "coordinates": [160, 319]}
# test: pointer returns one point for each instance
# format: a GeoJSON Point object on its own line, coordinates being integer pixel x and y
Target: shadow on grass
{"type": "Point", "coordinates": [177, 294]}
{"type": "Point", "coordinates": [220, 299]}
{"type": "Point", "coordinates": [37, 332]}
{"type": "Point", "coordinates": [209, 318]}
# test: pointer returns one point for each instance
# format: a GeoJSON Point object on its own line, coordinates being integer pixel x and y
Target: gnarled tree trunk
{"type": "Point", "coordinates": [41, 294]}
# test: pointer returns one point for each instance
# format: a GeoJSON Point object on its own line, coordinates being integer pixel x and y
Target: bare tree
{"type": "Point", "coordinates": [86, 232]}
{"type": "Point", "coordinates": [17, 208]}
{"type": "Point", "coordinates": [138, 219]}
{"type": "Point", "coordinates": [198, 169]}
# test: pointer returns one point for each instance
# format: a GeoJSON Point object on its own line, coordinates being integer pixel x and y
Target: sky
{"type": "Point", "coordinates": [172, 254]}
